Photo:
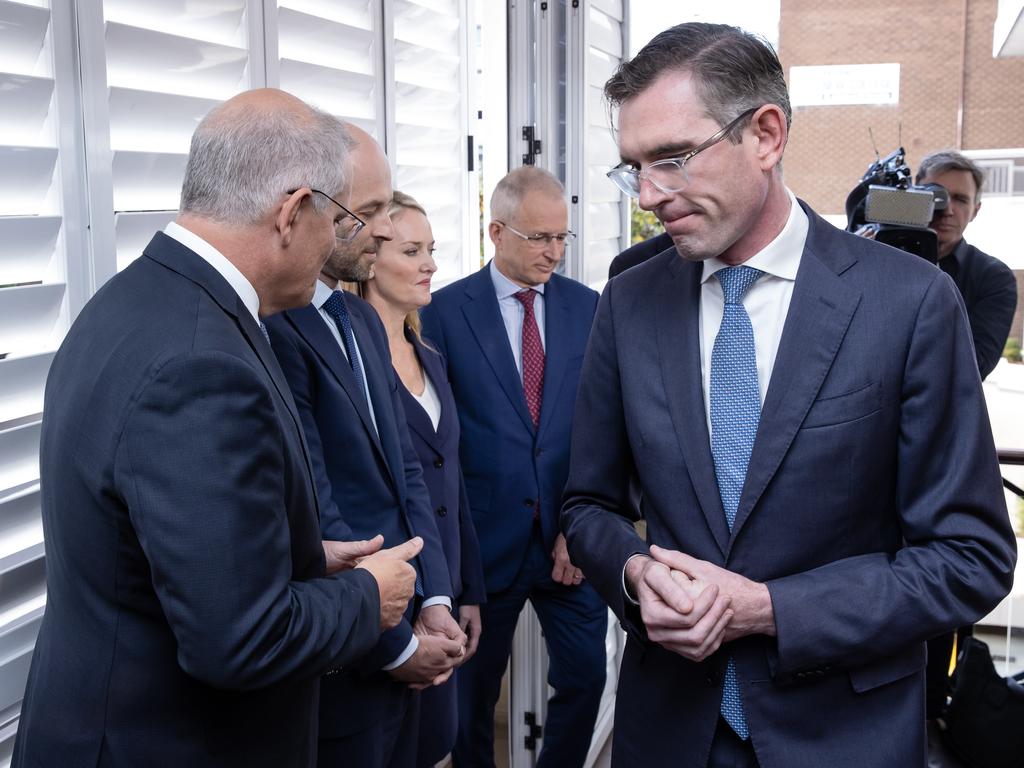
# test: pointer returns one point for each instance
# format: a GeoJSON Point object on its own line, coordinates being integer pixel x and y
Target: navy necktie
{"type": "Point", "coordinates": [335, 307]}
{"type": "Point", "coordinates": [735, 412]}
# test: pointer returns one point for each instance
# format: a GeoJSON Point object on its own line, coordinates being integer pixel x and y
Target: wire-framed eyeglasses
{"type": "Point", "coordinates": [540, 239]}
{"type": "Point", "coordinates": [669, 175]}
{"type": "Point", "coordinates": [344, 230]}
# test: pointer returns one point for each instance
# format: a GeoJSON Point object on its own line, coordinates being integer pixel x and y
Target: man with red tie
{"type": "Point", "coordinates": [513, 335]}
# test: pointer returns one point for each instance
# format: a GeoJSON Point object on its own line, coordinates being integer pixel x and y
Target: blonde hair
{"type": "Point", "coordinates": [400, 201]}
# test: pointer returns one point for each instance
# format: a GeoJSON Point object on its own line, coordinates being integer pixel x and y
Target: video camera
{"type": "Point", "coordinates": [897, 212]}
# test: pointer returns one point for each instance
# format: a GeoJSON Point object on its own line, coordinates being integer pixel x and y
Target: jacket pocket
{"type": "Point", "coordinates": [849, 406]}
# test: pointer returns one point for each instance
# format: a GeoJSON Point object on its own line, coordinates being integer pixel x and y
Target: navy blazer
{"type": "Point", "coordinates": [639, 253]}
{"type": "Point", "coordinates": [872, 507]}
{"type": "Point", "coordinates": [188, 619]}
{"type": "Point", "coordinates": [509, 466]}
{"type": "Point", "coordinates": [368, 479]}
{"type": "Point", "coordinates": [438, 451]}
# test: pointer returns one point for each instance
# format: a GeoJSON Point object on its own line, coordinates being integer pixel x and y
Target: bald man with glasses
{"type": "Point", "coordinates": [513, 336]}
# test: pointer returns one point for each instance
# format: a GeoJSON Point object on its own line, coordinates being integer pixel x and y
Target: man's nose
{"type": "Point", "coordinates": [650, 196]}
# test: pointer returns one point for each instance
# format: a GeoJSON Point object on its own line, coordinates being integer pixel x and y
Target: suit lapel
{"type": "Point", "coordinates": [485, 323]}
{"type": "Point", "coordinates": [819, 314]}
{"type": "Point", "coordinates": [309, 324]}
{"type": "Point", "coordinates": [419, 421]}
{"type": "Point", "coordinates": [378, 381]}
{"type": "Point", "coordinates": [557, 319]}
{"type": "Point", "coordinates": [678, 324]}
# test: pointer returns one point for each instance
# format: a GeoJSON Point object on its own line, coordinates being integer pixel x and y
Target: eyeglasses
{"type": "Point", "coordinates": [668, 175]}
{"type": "Point", "coordinates": [342, 231]}
{"type": "Point", "coordinates": [542, 238]}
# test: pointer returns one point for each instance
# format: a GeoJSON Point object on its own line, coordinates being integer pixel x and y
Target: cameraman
{"type": "Point", "coordinates": [988, 287]}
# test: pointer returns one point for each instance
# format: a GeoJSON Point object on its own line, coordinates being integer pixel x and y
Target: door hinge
{"type": "Point", "coordinates": [532, 145]}
{"type": "Point", "coordinates": [534, 731]}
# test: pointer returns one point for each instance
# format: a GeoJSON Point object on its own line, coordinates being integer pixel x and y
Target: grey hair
{"type": "Point", "coordinates": [509, 193]}
{"type": "Point", "coordinates": [950, 160]}
{"type": "Point", "coordinates": [733, 70]}
{"type": "Point", "coordinates": [242, 163]}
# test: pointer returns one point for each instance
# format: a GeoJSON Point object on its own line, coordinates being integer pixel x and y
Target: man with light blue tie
{"type": "Point", "coordinates": [334, 354]}
{"type": "Point", "coordinates": [802, 412]}
{"type": "Point", "coordinates": [513, 335]}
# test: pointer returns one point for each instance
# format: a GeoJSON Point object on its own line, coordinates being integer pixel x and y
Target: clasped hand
{"type": "Point", "coordinates": [442, 647]}
{"type": "Point", "coordinates": [691, 606]}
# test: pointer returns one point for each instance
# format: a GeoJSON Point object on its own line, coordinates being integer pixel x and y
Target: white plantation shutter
{"type": "Point", "coordinates": [428, 141]}
{"type": "Point", "coordinates": [33, 320]}
{"type": "Point", "coordinates": [331, 54]}
{"type": "Point", "coordinates": [167, 63]}
{"type": "Point", "coordinates": [601, 215]}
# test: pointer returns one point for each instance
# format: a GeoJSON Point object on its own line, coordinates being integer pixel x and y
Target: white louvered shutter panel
{"type": "Point", "coordinates": [601, 218]}
{"type": "Point", "coordinates": [331, 55]}
{"type": "Point", "coordinates": [429, 143]}
{"type": "Point", "coordinates": [33, 320]}
{"type": "Point", "coordinates": [167, 63]}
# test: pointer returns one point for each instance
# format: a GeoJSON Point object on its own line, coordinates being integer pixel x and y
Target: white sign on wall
{"type": "Point", "coordinates": [844, 84]}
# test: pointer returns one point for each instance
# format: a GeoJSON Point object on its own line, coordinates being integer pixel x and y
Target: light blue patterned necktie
{"type": "Point", "coordinates": [735, 411]}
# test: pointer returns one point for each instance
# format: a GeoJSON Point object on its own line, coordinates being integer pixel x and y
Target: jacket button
{"type": "Point", "coordinates": [438, 462]}
{"type": "Point", "coordinates": [442, 511]}
{"type": "Point", "coordinates": [528, 502]}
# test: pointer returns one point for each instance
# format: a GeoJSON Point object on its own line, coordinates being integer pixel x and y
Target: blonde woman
{"type": "Point", "coordinates": [399, 285]}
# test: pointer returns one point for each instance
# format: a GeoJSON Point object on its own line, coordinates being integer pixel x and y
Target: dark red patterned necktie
{"type": "Point", "coordinates": [533, 356]}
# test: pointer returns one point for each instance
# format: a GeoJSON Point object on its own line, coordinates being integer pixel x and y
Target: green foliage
{"type": "Point", "coordinates": [643, 224]}
{"type": "Point", "coordinates": [1012, 351]}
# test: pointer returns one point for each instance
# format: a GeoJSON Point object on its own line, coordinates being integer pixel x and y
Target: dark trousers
{"type": "Point", "coordinates": [439, 716]}
{"type": "Point", "coordinates": [574, 621]}
{"type": "Point", "coordinates": [730, 751]}
{"type": "Point", "coordinates": [388, 743]}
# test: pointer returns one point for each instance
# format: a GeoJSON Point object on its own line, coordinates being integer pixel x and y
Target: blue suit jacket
{"type": "Point", "coordinates": [369, 481]}
{"type": "Point", "coordinates": [509, 467]}
{"type": "Point", "coordinates": [872, 505]}
{"type": "Point", "coordinates": [438, 451]}
{"type": "Point", "coordinates": [188, 620]}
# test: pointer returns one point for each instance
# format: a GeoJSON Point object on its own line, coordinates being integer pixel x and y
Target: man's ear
{"type": "Point", "coordinates": [494, 230]}
{"type": "Point", "coordinates": [769, 127]}
{"type": "Point", "coordinates": [977, 207]}
{"type": "Point", "coordinates": [288, 213]}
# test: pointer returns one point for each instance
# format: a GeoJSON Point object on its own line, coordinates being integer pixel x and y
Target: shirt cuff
{"type": "Point", "coordinates": [625, 589]}
{"type": "Point", "coordinates": [410, 649]}
{"type": "Point", "coordinates": [437, 600]}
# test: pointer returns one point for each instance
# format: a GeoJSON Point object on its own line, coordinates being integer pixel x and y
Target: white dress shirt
{"type": "Point", "coordinates": [219, 262]}
{"type": "Point", "coordinates": [766, 302]}
{"type": "Point", "coordinates": [429, 400]}
{"type": "Point", "coordinates": [513, 311]}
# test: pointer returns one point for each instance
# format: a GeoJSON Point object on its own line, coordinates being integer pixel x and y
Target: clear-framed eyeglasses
{"type": "Point", "coordinates": [541, 239]}
{"type": "Point", "coordinates": [345, 228]}
{"type": "Point", "coordinates": [669, 175]}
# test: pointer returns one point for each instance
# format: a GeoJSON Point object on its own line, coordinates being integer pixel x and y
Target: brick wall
{"type": "Point", "coordinates": [829, 147]}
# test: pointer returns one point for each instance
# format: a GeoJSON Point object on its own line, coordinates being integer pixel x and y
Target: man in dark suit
{"type": "Point", "coordinates": [804, 417]}
{"type": "Point", "coordinates": [190, 614]}
{"type": "Point", "coordinates": [514, 335]}
{"type": "Point", "coordinates": [639, 253]}
{"type": "Point", "coordinates": [334, 354]}
{"type": "Point", "coordinates": [987, 285]}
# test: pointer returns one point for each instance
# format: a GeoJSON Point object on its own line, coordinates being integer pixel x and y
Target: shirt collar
{"type": "Point", "coordinates": [781, 257]}
{"type": "Point", "coordinates": [321, 293]}
{"type": "Point", "coordinates": [219, 262]}
{"type": "Point", "coordinates": [959, 252]}
{"type": "Point", "coordinates": [504, 287]}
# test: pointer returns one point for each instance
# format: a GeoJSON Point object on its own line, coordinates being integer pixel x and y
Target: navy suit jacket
{"type": "Point", "coordinates": [639, 253]}
{"type": "Point", "coordinates": [872, 506]}
{"type": "Point", "coordinates": [509, 466]}
{"type": "Point", "coordinates": [438, 451]}
{"type": "Point", "coordinates": [369, 481]}
{"type": "Point", "coordinates": [188, 618]}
